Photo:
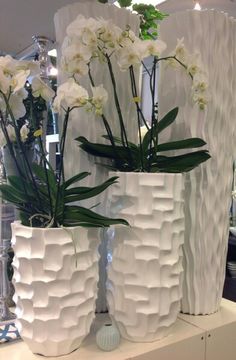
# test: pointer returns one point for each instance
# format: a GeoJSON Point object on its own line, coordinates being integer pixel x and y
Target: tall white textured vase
{"type": "Point", "coordinates": [207, 188]}
{"type": "Point", "coordinates": [55, 277]}
{"type": "Point", "coordinates": [86, 124]}
{"type": "Point", "coordinates": [144, 277]}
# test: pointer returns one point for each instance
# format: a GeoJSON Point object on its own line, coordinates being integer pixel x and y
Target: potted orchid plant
{"type": "Point", "coordinates": [40, 197]}
{"type": "Point", "coordinates": [91, 40]}
{"type": "Point", "coordinates": [149, 193]}
{"type": "Point", "coordinates": [55, 242]}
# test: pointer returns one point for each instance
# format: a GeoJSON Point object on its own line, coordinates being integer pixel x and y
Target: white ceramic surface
{"type": "Point", "coordinates": [86, 124]}
{"type": "Point", "coordinates": [56, 290]}
{"type": "Point", "coordinates": [208, 188]}
{"type": "Point", "coordinates": [144, 277]}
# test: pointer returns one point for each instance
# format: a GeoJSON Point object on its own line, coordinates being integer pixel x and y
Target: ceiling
{"type": "Point", "coordinates": [20, 19]}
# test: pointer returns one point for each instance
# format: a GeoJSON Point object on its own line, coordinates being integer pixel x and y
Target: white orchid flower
{"type": "Point", "coordinates": [76, 27]}
{"type": "Point", "coordinates": [99, 99]}
{"type": "Point", "coordinates": [180, 51]}
{"type": "Point", "coordinates": [194, 65]}
{"type": "Point", "coordinates": [89, 38]}
{"type": "Point", "coordinates": [73, 67]}
{"type": "Point", "coordinates": [77, 51]}
{"type": "Point", "coordinates": [108, 33]}
{"type": "Point", "coordinates": [40, 88]}
{"type": "Point", "coordinates": [18, 80]}
{"type": "Point", "coordinates": [201, 99]}
{"type": "Point", "coordinates": [128, 56]}
{"type": "Point", "coordinates": [16, 103]}
{"type": "Point", "coordinates": [24, 132]}
{"type": "Point", "coordinates": [5, 82]}
{"type": "Point", "coordinates": [127, 37]}
{"type": "Point", "coordinates": [8, 65]}
{"type": "Point", "coordinates": [200, 83]}
{"type": "Point", "coordinates": [32, 66]}
{"type": "Point", "coordinates": [153, 47]}
{"type": "Point", "coordinates": [69, 95]}
{"type": "Point", "coordinates": [75, 58]}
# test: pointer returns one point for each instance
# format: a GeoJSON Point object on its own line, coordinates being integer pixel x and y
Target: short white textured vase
{"type": "Point", "coordinates": [56, 290]}
{"type": "Point", "coordinates": [207, 188]}
{"type": "Point", "coordinates": [144, 277]}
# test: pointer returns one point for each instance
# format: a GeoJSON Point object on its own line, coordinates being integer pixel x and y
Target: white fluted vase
{"type": "Point", "coordinates": [55, 277]}
{"type": "Point", "coordinates": [144, 277]}
{"type": "Point", "coordinates": [207, 188]}
{"type": "Point", "coordinates": [206, 208]}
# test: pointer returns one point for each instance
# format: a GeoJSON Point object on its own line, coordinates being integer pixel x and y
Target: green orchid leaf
{"type": "Point", "coordinates": [100, 150]}
{"type": "Point", "coordinates": [167, 120]}
{"type": "Point", "coordinates": [119, 154]}
{"type": "Point", "coordinates": [151, 134]}
{"type": "Point", "coordinates": [118, 141]}
{"type": "Point", "coordinates": [24, 218]}
{"type": "Point", "coordinates": [147, 139]}
{"type": "Point", "coordinates": [82, 193]}
{"type": "Point", "coordinates": [26, 193]}
{"type": "Point", "coordinates": [9, 194]}
{"type": "Point", "coordinates": [81, 214]}
{"type": "Point", "coordinates": [19, 184]}
{"type": "Point", "coordinates": [181, 144]}
{"type": "Point", "coordinates": [50, 178]}
{"type": "Point", "coordinates": [181, 163]}
{"type": "Point", "coordinates": [75, 179]}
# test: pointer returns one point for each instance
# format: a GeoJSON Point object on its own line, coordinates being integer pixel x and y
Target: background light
{"type": "Point", "coordinates": [197, 6]}
{"type": "Point", "coordinates": [52, 52]}
{"type": "Point", "coordinates": [53, 71]}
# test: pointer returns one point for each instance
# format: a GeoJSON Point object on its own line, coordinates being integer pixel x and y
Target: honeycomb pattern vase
{"type": "Point", "coordinates": [144, 276]}
{"type": "Point", "coordinates": [55, 277]}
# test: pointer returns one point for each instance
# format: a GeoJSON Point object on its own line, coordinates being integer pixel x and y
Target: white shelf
{"type": "Point", "coordinates": [220, 330]}
{"type": "Point", "coordinates": [180, 342]}
{"type": "Point", "coordinates": [189, 340]}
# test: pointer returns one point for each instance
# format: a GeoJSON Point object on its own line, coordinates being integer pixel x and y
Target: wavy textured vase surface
{"type": "Point", "coordinates": [86, 124]}
{"type": "Point", "coordinates": [207, 188]}
{"type": "Point", "coordinates": [144, 277]}
{"type": "Point", "coordinates": [56, 289]}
